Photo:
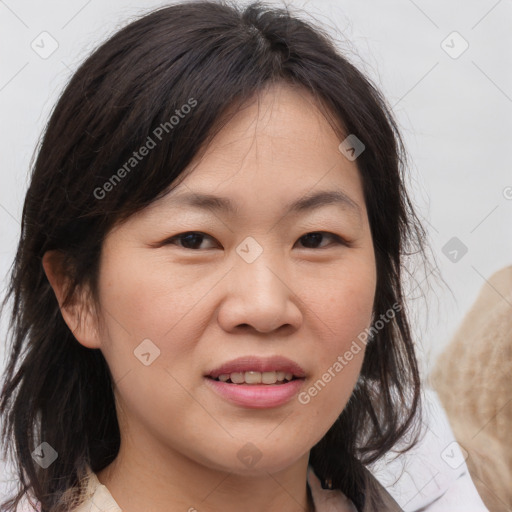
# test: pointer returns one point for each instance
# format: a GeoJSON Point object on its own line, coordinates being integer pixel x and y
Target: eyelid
{"type": "Point", "coordinates": [170, 240]}
{"type": "Point", "coordinates": [338, 240]}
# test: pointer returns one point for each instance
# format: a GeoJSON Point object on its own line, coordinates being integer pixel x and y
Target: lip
{"type": "Point", "coordinates": [259, 364]}
{"type": "Point", "coordinates": [256, 396]}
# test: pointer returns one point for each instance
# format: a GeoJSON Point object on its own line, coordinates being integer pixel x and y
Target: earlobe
{"type": "Point", "coordinates": [79, 313]}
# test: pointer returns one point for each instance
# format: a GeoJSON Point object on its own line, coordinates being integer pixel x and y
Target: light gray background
{"type": "Point", "coordinates": [455, 115]}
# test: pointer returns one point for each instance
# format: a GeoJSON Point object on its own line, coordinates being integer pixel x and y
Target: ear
{"type": "Point", "coordinates": [79, 315]}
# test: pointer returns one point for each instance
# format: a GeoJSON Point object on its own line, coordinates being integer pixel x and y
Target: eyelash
{"type": "Point", "coordinates": [337, 239]}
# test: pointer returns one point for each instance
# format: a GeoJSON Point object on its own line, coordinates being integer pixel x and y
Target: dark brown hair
{"type": "Point", "coordinates": [219, 54]}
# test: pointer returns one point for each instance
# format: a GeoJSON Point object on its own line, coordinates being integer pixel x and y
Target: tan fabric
{"type": "Point", "coordinates": [473, 378]}
{"type": "Point", "coordinates": [99, 499]}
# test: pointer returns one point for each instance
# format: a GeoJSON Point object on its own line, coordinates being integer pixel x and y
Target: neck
{"type": "Point", "coordinates": [162, 480]}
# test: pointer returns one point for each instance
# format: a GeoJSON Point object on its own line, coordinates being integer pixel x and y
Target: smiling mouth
{"type": "Point", "coordinates": [255, 378]}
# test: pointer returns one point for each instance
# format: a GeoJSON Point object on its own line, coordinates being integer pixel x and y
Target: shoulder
{"type": "Point", "coordinates": [376, 495]}
{"type": "Point", "coordinates": [97, 497]}
{"type": "Point", "coordinates": [377, 498]}
{"type": "Point", "coordinates": [28, 505]}
{"type": "Point", "coordinates": [326, 500]}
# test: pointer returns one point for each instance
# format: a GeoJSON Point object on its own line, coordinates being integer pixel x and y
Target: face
{"type": "Point", "coordinates": [185, 289]}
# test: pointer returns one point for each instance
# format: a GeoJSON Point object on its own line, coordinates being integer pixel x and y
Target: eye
{"type": "Point", "coordinates": [312, 239]}
{"type": "Point", "coordinates": [189, 240]}
{"type": "Point", "coordinates": [192, 239]}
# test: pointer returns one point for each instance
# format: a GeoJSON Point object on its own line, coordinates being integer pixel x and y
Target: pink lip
{"type": "Point", "coordinates": [259, 364]}
{"type": "Point", "coordinates": [256, 396]}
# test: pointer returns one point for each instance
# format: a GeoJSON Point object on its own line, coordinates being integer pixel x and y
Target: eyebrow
{"type": "Point", "coordinates": [309, 202]}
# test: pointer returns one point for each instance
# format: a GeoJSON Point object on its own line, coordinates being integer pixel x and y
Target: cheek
{"type": "Point", "coordinates": [148, 302]}
{"type": "Point", "coordinates": [150, 299]}
{"type": "Point", "coordinates": [342, 311]}
{"type": "Point", "coordinates": [343, 302]}
{"type": "Point", "coordinates": [161, 303]}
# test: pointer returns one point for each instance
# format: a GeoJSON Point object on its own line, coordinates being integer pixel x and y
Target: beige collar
{"type": "Point", "coordinates": [99, 499]}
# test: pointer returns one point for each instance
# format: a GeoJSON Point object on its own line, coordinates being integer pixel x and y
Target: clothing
{"type": "Point", "coordinates": [420, 479]}
{"type": "Point", "coordinates": [99, 498]}
{"type": "Point", "coordinates": [473, 379]}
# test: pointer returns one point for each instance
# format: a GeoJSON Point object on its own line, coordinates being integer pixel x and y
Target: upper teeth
{"type": "Point", "coordinates": [255, 377]}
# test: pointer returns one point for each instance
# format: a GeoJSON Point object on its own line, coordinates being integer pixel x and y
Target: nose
{"type": "Point", "coordinates": [260, 296]}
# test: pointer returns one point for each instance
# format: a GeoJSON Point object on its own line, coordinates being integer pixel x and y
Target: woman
{"type": "Point", "coordinates": [266, 369]}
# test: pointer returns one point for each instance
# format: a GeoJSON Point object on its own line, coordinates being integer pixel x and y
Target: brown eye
{"type": "Point", "coordinates": [311, 240]}
{"type": "Point", "coordinates": [193, 239]}
{"type": "Point", "coordinates": [189, 240]}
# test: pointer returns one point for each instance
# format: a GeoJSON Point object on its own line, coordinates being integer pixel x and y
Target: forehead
{"type": "Point", "coordinates": [283, 116]}
{"type": "Point", "coordinates": [279, 147]}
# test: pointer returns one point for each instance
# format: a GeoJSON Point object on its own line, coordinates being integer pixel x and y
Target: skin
{"type": "Point", "coordinates": [205, 305]}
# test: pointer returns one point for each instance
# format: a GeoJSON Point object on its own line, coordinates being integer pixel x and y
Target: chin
{"type": "Point", "coordinates": [256, 459]}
